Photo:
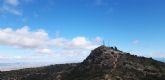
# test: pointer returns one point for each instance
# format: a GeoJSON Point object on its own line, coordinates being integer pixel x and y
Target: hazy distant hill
{"type": "Point", "coordinates": [104, 63]}
{"type": "Point", "coordinates": [21, 65]}
{"type": "Point", "coordinates": [161, 59]}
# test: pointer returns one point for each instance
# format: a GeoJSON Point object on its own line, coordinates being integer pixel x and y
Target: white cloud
{"type": "Point", "coordinates": [12, 2]}
{"type": "Point", "coordinates": [12, 57]}
{"type": "Point", "coordinates": [11, 10]}
{"type": "Point", "coordinates": [40, 41]}
{"type": "Point", "coordinates": [45, 51]}
{"type": "Point", "coordinates": [23, 38]}
{"type": "Point", "coordinates": [57, 49]}
{"type": "Point", "coordinates": [58, 41]}
{"type": "Point", "coordinates": [11, 6]}
{"type": "Point", "coordinates": [80, 42]}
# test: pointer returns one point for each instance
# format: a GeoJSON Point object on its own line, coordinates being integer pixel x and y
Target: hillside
{"type": "Point", "coordinates": [104, 63]}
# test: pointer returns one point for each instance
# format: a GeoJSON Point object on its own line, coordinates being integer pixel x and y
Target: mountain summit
{"type": "Point", "coordinates": [103, 56]}
{"type": "Point", "coordinates": [109, 63]}
{"type": "Point", "coordinates": [103, 63]}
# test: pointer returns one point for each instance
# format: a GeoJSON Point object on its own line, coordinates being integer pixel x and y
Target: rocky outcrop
{"type": "Point", "coordinates": [108, 63]}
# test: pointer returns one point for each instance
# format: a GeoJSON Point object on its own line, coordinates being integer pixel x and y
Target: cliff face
{"type": "Point", "coordinates": [104, 63]}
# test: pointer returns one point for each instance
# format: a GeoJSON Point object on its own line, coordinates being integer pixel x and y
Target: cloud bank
{"type": "Point", "coordinates": [40, 42]}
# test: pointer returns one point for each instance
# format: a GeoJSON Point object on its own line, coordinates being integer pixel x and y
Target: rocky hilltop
{"type": "Point", "coordinates": [104, 63]}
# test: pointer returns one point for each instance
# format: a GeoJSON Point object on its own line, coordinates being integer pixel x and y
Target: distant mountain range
{"type": "Point", "coordinates": [104, 63]}
{"type": "Point", "coordinates": [160, 59]}
{"type": "Point", "coordinates": [21, 65]}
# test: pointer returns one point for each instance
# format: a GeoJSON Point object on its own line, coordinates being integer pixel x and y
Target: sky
{"type": "Point", "coordinates": [65, 31]}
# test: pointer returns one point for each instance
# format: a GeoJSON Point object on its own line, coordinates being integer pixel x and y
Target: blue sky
{"type": "Point", "coordinates": [66, 30]}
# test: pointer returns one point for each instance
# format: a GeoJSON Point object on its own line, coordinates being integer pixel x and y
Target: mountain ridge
{"type": "Point", "coordinates": [103, 63]}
